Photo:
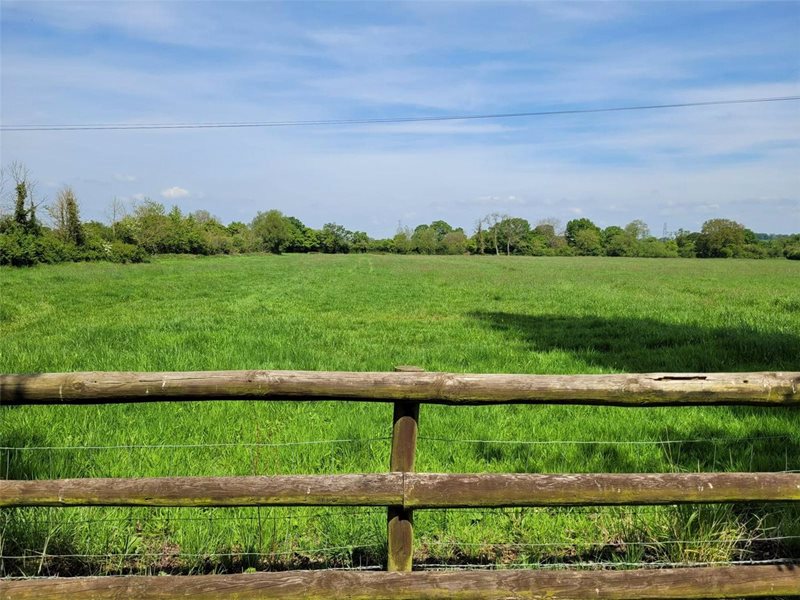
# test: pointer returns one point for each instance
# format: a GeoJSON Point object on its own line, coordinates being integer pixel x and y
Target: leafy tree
{"type": "Point", "coordinates": [454, 242]}
{"type": "Point", "coordinates": [544, 239]}
{"type": "Point", "coordinates": [792, 251]}
{"type": "Point", "coordinates": [360, 241]}
{"type": "Point", "coordinates": [271, 231]}
{"type": "Point", "coordinates": [618, 241]}
{"type": "Point", "coordinates": [424, 240]}
{"type": "Point", "coordinates": [588, 242]}
{"type": "Point", "coordinates": [20, 212]}
{"type": "Point", "coordinates": [654, 248]}
{"type": "Point", "coordinates": [303, 238]}
{"type": "Point", "coordinates": [685, 240]}
{"type": "Point", "coordinates": [479, 237]}
{"type": "Point", "coordinates": [402, 240]}
{"type": "Point", "coordinates": [441, 228]}
{"type": "Point", "coordinates": [637, 229]}
{"type": "Point", "coordinates": [492, 221]}
{"type": "Point", "coordinates": [576, 225]}
{"type": "Point", "coordinates": [237, 227]}
{"type": "Point", "coordinates": [720, 238]}
{"type": "Point", "coordinates": [334, 239]}
{"type": "Point", "coordinates": [513, 234]}
{"type": "Point", "coordinates": [65, 215]}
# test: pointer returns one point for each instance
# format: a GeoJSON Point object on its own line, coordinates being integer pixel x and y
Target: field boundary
{"type": "Point", "coordinates": [403, 491]}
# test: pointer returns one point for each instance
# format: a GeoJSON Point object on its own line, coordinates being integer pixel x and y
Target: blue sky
{"type": "Point", "coordinates": [149, 62]}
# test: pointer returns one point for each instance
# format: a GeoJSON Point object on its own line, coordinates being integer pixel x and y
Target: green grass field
{"type": "Point", "coordinates": [370, 313]}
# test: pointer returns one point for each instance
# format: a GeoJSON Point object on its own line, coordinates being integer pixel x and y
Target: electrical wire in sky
{"type": "Point", "coordinates": [389, 120]}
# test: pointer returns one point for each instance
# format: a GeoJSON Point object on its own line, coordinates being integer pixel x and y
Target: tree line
{"type": "Point", "coordinates": [133, 234]}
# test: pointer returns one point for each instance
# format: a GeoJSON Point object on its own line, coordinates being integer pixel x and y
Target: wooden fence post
{"type": "Point", "coordinates": [400, 532]}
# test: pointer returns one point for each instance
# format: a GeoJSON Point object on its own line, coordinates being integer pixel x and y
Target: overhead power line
{"type": "Point", "coordinates": [511, 115]}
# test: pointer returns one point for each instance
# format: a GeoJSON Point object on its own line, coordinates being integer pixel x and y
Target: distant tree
{"type": "Point", "coordinates": [576, 225]}
{"type": "Point", "coordinates": [685, 241]}
{"type": "Point", "coordinates": [454, 242]}
{"type": "Point", "coordinates": [203, 217]}
{"type": "Point", "coordinates": [618, 242]}
{"type": "Point", "coordinates": [65, 215]}
{"type": "Point", "coordinates": [441, 229]}
{"type": "Point", "coordinates": [334, 239]}
{"type": "Point", "coordinates": [792, 250]}
{"type": "Point", "coordinates": [272, 231]}
{"type": "Point", "coordinates": [303, 238]}
{"type": "Point", "coordinates": [492, 220]}
{"type": "Point", "coordinates": [94, 231]}
{"type": "Point", "coordinates": [513, 232]}
{"type": "Point", "coordinates": [115, 212]}
{"type": "Point", "coordinates": [402, 240]}
{"type": "Point", "coordinates": [20, 212]}
{"type": "Point", "coordinates": [480, 239]}
{"type": "Point", "coordinates": [651, 247]}
{"type": "Point", "coordinates": [425, 240]}
{"type": "Point", "coordinates": [360, 241]}
{"type": "Point", "coordinates": [546, 236]}
{"type": "Point", "coordinates": [637, 229]}
{"type": "Point", "coordinates": [588, 242]}
{"type": "Point", "coordinates": [237, 227]}
{"type": "Point", "coordinates": [720, 238]}
{"type": "Point", "coordinates": [583, 235]}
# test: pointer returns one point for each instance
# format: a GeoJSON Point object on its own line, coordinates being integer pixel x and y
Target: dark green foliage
{"type": "Point", "coordinates": [686, 241]}
{"type": "Point", "coordinates": [618, 242]}
{"type": "Point", "coordinates": [20, 213]}
{"type": "Point", "coordinates": [454, 242]}
{"type": "Point", "coordinates": [360, 242]}
{"type": "Point", "coordinates": [334, 239]}
{"type": "Point", "coordinates": [792, 251]}
{"type": "Point", "coordinates": [513, 235]}
{"type": "Point", "coordinates": [272, 231]}
{"type": "Point", "coordinates": [720, 238]}
{"type": "Point", "coordinates": [74, 232]}
{"type": "Point", "coordinates": [584, 236]}
{"type": "Point", "coordinates": [121, 252]}
{"type": "Point", "coordinates": [424, 240]}
{"type": "Point", "coordinates": [19, 248]}
{"type": "Point", "coordinates": [151, 229]}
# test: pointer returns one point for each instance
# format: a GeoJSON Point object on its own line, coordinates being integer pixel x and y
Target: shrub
{"type": "Point", "coordinates": [121, 252]}
{"type": "Point", "coordinates": [792, 251]}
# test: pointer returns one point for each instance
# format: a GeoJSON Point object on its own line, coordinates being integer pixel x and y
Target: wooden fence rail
{"type": "Point", "coordinates": [408, 490]}
{"type": "Point", "coordinates": [431, 388]}
{"type": "Point", "coordinates": [402, 490]}
{"type": "Point", "coordinates": [642, 584]}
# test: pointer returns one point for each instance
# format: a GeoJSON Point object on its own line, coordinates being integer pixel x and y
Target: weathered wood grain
{"type": "Point", "coordinates": [400, 521]}
{"type": "Point", "coordinates": [408, 490]}
{"type": "Point", "coordinates": [643, 584]}
{"type": "Point", "coordinates": [650, 389]}
{"type": "Point", "coordinates": [434, 490]}
{"type": "Point", "coordinates": [283, 490]}
{"type": "Point", "coordinates": [405, 422]}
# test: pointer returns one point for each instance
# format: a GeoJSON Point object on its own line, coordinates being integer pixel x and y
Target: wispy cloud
{"type": "Point", "coordinates": [174, 192]}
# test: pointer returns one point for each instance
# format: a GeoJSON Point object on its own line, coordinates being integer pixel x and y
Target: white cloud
{"type": "Point", "coordinates": [174, 192]}
{"type": "Point", "coordinates": [124, 178]}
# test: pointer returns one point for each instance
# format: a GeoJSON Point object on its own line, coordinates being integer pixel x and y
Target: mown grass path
{"type": "Point", "coordinates": [367, 312]}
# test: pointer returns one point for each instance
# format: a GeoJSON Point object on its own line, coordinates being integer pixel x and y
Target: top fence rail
{"type": "Point", "coordinates": [651, 389]}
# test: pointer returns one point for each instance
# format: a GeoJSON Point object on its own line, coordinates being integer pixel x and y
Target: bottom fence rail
{"type": "Point", "coordinates": [709, 582]}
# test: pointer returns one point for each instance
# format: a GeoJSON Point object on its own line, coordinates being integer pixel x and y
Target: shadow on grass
{"type": "Point", "coordinates": [637, 345]}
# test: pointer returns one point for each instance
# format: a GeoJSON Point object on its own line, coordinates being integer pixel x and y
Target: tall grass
{"type": "Point", "coordinates": [465, 314]}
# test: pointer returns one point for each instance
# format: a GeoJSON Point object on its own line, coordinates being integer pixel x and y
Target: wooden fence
{"type": "Point", "coordinates": [402, 490]}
